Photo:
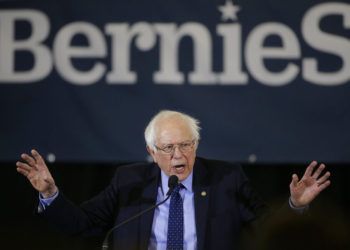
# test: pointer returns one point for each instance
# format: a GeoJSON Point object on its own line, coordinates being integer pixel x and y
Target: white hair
{"type": "Point", "coordinates": [150, 131]}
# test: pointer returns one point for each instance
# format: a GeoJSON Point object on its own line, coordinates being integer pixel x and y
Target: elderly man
{"type": "Point", "coordinates": [207, 210]}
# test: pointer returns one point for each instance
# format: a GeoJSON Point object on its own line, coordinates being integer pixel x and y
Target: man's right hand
{"type": "Point", "coordinates": [36, 171]}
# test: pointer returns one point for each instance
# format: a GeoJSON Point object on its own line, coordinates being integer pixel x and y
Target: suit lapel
{"type": "Point", "coordinates": [201, 190]}
{"type": "Point", "coordinates": [148, 198]}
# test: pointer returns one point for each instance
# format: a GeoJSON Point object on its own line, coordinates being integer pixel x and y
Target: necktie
{"type": "Point", "coordinates": [176, 221]}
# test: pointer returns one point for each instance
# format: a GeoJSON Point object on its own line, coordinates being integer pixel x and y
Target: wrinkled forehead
{"type": "Point", "coordinates": [172, 130]}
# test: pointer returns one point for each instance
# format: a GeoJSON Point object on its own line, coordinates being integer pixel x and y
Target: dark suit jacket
{"type": "Point", "coordinates": [229, 205]}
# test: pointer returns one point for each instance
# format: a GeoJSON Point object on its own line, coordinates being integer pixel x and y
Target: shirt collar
{"type": "Point", "coordinates": [186, 182]}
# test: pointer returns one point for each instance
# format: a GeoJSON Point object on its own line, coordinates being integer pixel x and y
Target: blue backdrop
{"type": "Point", "coordinates": [269, 80]}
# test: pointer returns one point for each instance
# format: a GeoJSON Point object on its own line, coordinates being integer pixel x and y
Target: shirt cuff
{"type": "Point", "coordinates": [299, 210]}
{"type": "Point", "coordinates": [45, 202]}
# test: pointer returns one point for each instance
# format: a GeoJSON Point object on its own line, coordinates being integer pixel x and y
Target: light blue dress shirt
{"type": "Point", "coordinates": [45, 202]}
{"type": "Point", "coordinates": [159, 232]}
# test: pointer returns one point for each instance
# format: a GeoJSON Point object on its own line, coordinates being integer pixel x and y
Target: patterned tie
{"type": "Point", "coordinates": [176, 221]}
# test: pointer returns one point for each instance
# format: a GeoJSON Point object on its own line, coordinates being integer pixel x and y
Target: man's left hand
{"type": "Point", "coordinates": [304, 191]}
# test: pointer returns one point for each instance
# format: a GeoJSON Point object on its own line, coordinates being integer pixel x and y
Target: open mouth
{"type": "Point", "coordinates": [179, 168]}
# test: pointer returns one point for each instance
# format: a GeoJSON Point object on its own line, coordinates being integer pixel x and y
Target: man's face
{"type": "Point", "coordinates": [174, 133]}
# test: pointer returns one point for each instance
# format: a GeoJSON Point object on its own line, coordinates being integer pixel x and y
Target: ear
{"type": "Point", "coordinates": [152, 153]}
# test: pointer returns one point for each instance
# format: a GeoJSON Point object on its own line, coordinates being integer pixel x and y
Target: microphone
{"type": "Point", "coordinates": [172, 183]}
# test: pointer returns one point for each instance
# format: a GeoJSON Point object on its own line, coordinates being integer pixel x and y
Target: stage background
{"type": "Point", "coordinates": [269, 80]}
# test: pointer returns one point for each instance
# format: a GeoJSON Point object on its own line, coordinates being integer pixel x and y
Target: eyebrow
{"type": "Point", "coordinates": [177, 143]}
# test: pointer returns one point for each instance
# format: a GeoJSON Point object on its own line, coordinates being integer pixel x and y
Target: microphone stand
{"type": "Point", "coordinates": [173, 182]}
{"type": "Point", "coordinates": [105, 241]}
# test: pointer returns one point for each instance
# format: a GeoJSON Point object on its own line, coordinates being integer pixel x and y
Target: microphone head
{"type": "Point", "coordinates": [172, 183]}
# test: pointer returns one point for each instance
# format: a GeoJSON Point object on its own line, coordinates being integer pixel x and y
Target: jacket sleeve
{"type": "Point", "coordinates": [90, 218]}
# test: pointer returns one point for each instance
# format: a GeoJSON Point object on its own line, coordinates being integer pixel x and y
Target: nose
{"type": "Point", "coordinates": [177, 152]}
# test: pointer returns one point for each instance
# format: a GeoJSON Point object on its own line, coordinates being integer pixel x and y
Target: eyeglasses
{"type": "Point", "coordinates": [184, 147]}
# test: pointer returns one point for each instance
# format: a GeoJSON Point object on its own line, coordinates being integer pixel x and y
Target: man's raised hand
{"type": "Point", "coordinates": [305, 190]}
{"type": "Point", "coordinates": [34, 168]}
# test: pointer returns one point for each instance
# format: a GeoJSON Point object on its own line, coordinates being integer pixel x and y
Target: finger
{"type": "Point", "coordinates": [310, 168]}
{"type": "Point", "coordinates": [318, 171]}
{"type": "Point", "coordinates": [22, 171]}
{"type": "Point", "coordinates": [324, 185]}
{"type": "Point", "coordinates": [323, 178]}
{"type": "Point", "coordinates": [295, 180]}
{"type": "Point", "coordinates": [37, 157]}
{"type": "Point", "coordinates": [23, 166]}
{"type": "Point", "coordinates": [30, 160]}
